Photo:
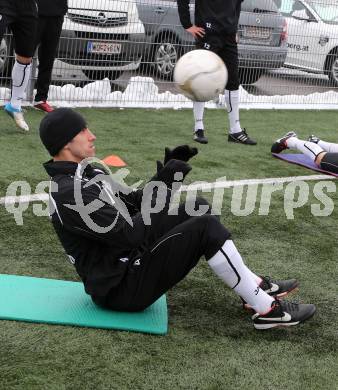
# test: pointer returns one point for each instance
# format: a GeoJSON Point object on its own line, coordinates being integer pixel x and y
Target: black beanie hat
{"type": "Point", "coordinates": [59, 127]}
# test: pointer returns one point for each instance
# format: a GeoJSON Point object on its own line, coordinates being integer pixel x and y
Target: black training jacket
{"type": "Point", "coordinates": [52, 7]}
{"type": "Point", "coordinates": [219, 16]}
{"type": "Point", "coordinates": [100, 258]}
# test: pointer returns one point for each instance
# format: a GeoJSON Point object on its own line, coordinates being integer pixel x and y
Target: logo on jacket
{"type": "Point", "coordinates": [108, 187]}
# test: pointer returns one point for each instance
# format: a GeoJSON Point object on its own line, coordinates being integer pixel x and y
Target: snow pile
{"type": "Point", "coordinates": [140, 92]}
{"type": "Point", "coordinates": [323, 100]}
{"type": "Point", "coordinates": [143, 92]}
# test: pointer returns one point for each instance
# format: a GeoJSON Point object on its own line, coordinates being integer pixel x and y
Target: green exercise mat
{"type": "Point", "coordinates": [53, 301]}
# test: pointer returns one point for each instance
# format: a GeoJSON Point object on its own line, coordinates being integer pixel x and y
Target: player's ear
{"type": "Point", "coordinates": [66, 147]}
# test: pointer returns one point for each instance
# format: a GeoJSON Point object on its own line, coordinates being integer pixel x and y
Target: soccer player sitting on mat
{"type": "Point", "coordinates": [324, 154]}
{"type": "Point", "coordinates": [127, 265]}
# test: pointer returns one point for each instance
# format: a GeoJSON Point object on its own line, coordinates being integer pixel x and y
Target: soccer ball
{"type": "Point", "coordinates": [200, 75]}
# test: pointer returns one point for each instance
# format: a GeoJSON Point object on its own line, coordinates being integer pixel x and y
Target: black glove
{"type": "Point", "coordinates": [182, 153]}
{"type": "Point", "coordinates": [166, 173]}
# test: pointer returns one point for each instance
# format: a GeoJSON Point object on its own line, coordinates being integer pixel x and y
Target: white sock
{"type": "Point", "coordinates": [198, 108]}
{"type": "Point", "coordinates": [20, 78]}
{"type": "Point", "coordinates": [256, 278]}
{"type": "Point", "coordinates": [228, 265]}
{"type": "Point", "coordinates": [308, 148]}
{"type": "Point", "coordinates": [232, 104]}
{"type": "Point", "coordinates": [328, 146]}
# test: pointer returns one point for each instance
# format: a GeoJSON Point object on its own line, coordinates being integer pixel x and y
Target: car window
{"type": "Point", "coordinates": [328, 12]}
{"type": "Point", "coordinates": [259, 6]}
{"type": "Point", "coordinates": [288, 7]}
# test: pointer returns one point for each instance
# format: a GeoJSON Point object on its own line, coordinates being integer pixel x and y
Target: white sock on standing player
{"type": "Point", "coordinates": [20, 78]}
{"type": "Point", "coordinates": [228, 265]}
{"type": "Point", "coordinates": [310, 149]}
{"type": "Point", "coordinates": [232, 105]}
{"type": "Point", "coordinates": [198, 108]}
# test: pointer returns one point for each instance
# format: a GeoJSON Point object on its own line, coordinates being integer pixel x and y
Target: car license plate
{"type": "Point", "coordinates": [103, 47]}
{"type": "Point", "coordinates": [256, 32]}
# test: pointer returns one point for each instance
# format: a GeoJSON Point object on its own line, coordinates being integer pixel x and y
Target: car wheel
{"type": "Point", "coordinates": [6, 56]}
{"type": "Point", "coordinates": [94, 74]}
{"type": "Point", "coordinates": [333, 69]}
{"type": "Point", "coordinates": [249, 75]}
{"type": "Point", "coordinates": [165, 55]}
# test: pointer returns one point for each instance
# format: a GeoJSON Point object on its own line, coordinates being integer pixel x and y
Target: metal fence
{"type": "Point", "coordinates": [122, 53]}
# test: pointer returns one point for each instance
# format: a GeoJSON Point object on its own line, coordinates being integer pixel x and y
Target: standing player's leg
{"type": "Point", "coordinates": [24, 31]}
{"type": "Point", "coordinates": [206, 43]}
{"type": "Point", "coordinates": [198, 110]}
{"type": "Point", "coordinates": [48, 36]}
{"type": "Point", "coordinates": [229, 54]}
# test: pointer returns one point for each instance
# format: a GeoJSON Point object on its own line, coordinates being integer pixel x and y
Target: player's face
{"type": "Point", "coordinates": [82, 145]}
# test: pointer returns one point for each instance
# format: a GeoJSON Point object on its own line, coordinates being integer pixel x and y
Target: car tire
{"type": "Point", "coordinates": [249, 75]}
{"type": "Point", "coordinates": [166, 52]}
{"type": "Point", "coordinates": [332, 70]}
{"type": "Point", "coordinates": [6, 56]}
{"type": "Point", "coordinates": [95, 75]}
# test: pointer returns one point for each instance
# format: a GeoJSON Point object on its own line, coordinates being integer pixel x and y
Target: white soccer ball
{"type": "Point", "coordinates": [200, 75]}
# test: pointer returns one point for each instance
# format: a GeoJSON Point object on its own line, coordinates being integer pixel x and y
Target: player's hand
{"type": "Point", "coordinates": [182, 152]}
{"type": "Point", "coordinates": [196, 31]}
{"type": "Point", "coordinates": [167, 172]}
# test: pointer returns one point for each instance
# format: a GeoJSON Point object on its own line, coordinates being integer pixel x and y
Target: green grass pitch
{"type": "Point", "coordinates": [211, 342]}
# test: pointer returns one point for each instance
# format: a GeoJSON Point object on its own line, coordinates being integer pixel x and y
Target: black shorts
{"type": "Point", "coordinates": [21, 18]}
{"type": "Point", "coordinates": [330, 162]}
{"type": "Point", "coordinates": [175, 248]}
{"type": "Point", "coordinates": [225, 45]}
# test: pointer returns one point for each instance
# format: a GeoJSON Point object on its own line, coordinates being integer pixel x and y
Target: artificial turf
{"type": "Point", "coordinates": [211, 343]}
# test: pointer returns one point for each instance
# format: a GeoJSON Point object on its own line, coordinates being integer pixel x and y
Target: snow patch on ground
{"type": "Point", "coordinates": [142, 92]}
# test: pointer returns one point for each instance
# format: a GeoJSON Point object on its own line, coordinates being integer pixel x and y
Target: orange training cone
{"type": "Point", "coordinates": [114, 161]}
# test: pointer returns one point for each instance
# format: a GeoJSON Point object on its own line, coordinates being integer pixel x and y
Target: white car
{"type": "Point", "coordinates": [102, 38]}
{"type": "Point", "coordinates": [312, 36]}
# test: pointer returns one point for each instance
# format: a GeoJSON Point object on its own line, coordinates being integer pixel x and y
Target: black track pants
{"type": "Point", "coordinates": [176, 247]}
{"type": "Point", "coordinates": [226, 47]}
{"type": "Point", "coordinates": [49, 30]}
{"type": "Point", "coordinates": [21, 18]}
{"type": "Point", "coordinates": [330, 162]}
